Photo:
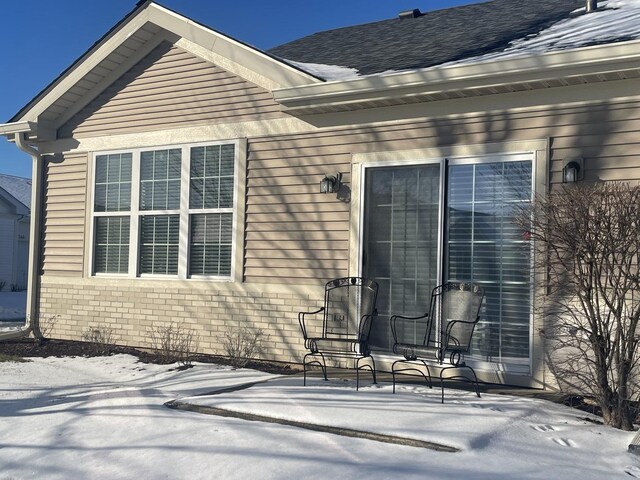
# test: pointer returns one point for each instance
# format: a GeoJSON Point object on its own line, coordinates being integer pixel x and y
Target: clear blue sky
{"type": "Point", "coordinates": [41, 38]}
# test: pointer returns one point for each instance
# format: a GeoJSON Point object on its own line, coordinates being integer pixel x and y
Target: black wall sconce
{"type": "Point", "coordinates": [573, 170]}
{"type": "Point", "coordinates": [331, 183]}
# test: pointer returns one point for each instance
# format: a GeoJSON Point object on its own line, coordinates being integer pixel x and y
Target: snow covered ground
{"type": "Point", "coordinates": [77, 418]}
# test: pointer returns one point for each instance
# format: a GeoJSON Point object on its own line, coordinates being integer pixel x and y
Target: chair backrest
{"type": "Point", "coordinates": [346, 301]}
{"type": "Point", "coordinates": [455, 306]}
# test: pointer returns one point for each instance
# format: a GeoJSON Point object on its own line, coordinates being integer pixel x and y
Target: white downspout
{"type": "Point", "coordinates": [31, 320]}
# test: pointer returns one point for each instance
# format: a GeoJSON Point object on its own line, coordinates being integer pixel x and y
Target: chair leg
{"type": "Point", "coordinates": [411, 368]}
{"type": "Point", "coordinates": [473, 381]}
{"type": "Point", "coordinates": [371, 367]}
{"type": "Point", "coordinates": [322, 365]}
{"type": "Point", "coordinates": [373, 370]}
{"type": "Point", "coordinates": [393, 374]}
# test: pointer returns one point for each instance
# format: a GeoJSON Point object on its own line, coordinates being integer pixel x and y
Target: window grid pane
{"type": "Point", "coordinates": [159, 244]}
{"type": "Point", "coordinates": [210, 244]}
{"type": "Point", "coordinates": [111, 249]}
{"type": "Point", "coordinates": [113, 183]}
{"type": "Point", "coordinates": [212, 177]}
{"type": "Point", "coordinates": [160, 179]}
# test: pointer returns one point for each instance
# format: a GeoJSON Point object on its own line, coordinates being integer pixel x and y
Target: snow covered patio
{"type": "Point", "coordinates": [105, 417]}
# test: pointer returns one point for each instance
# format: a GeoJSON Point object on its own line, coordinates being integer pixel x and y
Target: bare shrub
{"type": "Point", "coordinates": [2, 285]}
{"type": "Point", "coordinates": [42, 326]}
{"type": "Point", "coordinates": [242, 345]}
{"type": "Point", "coordinates": [174, 343]}
{"type": "Point", "coordinates": [102, 337]}
{"type": "Point", "coordinates": [46, 324]}
{"type": "Point", "coordinates": [587, 253]}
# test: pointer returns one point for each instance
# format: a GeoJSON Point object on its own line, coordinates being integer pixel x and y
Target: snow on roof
{"type": "Point", "coordinates": [18, 187]}
{"type": "Point", "coordinates": [328, 72]}
{"type": "Point", "coordinates": [615, 20]}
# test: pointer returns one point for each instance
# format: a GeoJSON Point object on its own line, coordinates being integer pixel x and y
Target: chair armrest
{"type": "Point", "coordinates": [301, 320]}
{"type": "Point", "coordinates": [451, 324]}
{"type": "Point", "coordinates": [394, 318]}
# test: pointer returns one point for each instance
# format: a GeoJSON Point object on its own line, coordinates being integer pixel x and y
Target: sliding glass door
{"type": "Point", "coordinates": [415, 237]}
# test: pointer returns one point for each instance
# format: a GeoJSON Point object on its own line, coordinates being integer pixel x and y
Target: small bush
{"type": "Point", "coordinates": [46, 324]}
{"type": "Point", "coordinates": [2, 285]}
{"type": "Point", "coordinates": [42, 327]}
{"type": "Point", "coordinates": [102, 337]}
{"type": "Point", "coordinates": [15, 287]}
{"type": "Point", "coordinates": [242, 345]}
{"type": "Point", "coordinates": [174, 343]}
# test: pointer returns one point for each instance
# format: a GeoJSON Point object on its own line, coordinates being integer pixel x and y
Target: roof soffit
{"type": "Point", "coordinates": [129, 43]}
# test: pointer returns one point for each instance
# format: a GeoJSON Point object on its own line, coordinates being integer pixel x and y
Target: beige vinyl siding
{"type": "Point", "coordinates": [171, 88]}
{"type": "Point", "coordinates": [296, 235]}
{"type": "Point", "coordinates": [64, 217]}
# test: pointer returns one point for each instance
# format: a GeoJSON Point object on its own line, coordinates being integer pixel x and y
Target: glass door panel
{"type": "Point", "coordinates": [400, 246]}
{"type": "Point", "coordinates": [484, 245]}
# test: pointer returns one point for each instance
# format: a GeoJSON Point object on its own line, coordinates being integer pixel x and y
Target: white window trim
{"type": "Point", "coordinates": [238, 212]}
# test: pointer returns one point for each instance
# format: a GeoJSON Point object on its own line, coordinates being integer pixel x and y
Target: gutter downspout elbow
{"type": "Point", "coordinates": [31, 317]}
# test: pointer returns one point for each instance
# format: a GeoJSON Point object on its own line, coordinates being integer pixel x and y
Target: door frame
{"type": "Point", "coordinates": [535, 150]}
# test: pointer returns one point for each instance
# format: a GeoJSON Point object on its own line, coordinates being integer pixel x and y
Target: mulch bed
{"type": "Point", "coordinates": [68, 348]}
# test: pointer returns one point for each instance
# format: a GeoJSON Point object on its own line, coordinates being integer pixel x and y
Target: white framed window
{"type": "Point", "coordinates": [166, 211]}
{"type": "Point", "coordinates": [111, 207]}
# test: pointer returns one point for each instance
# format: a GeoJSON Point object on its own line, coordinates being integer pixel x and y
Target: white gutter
{"type": "Point", "coordinates": [17, 127]}
{"type": "Point", "coordinates": [358, 92]}
{"type": "Point", "coordinates": [19, 130]}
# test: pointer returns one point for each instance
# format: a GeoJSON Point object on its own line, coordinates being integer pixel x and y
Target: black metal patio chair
{"type": "Point", "coordinates": [449, 324]}
{"type": "Point", "coordinates": [347, 314]}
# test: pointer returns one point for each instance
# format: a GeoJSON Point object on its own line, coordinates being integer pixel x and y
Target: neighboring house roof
{"type": "Point", "coordinates": [473, 32]}
{"type": "Point", "coordinates": [19, 188]}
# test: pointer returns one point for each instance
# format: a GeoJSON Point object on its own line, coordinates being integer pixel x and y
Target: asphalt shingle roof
{"type": "Point", "coordinates": [18, 187]}
{"type": "Point", "coordinates": [434, 38]}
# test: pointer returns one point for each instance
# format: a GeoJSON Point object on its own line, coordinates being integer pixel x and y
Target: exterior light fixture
{"type": "Point", "coordinates": [573, 171]}
{"type": "Point", "coordinates": [331, 183]}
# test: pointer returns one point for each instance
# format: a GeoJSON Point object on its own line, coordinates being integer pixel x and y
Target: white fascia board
{"type": "Point", "coordinates": [281, 73]}
{"type": "Point", "coordinates": [89, 61]}
{"type": "Point", "coordinates": [546, 66]}
{"type": "Point", "coordinates": [10, 129]}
